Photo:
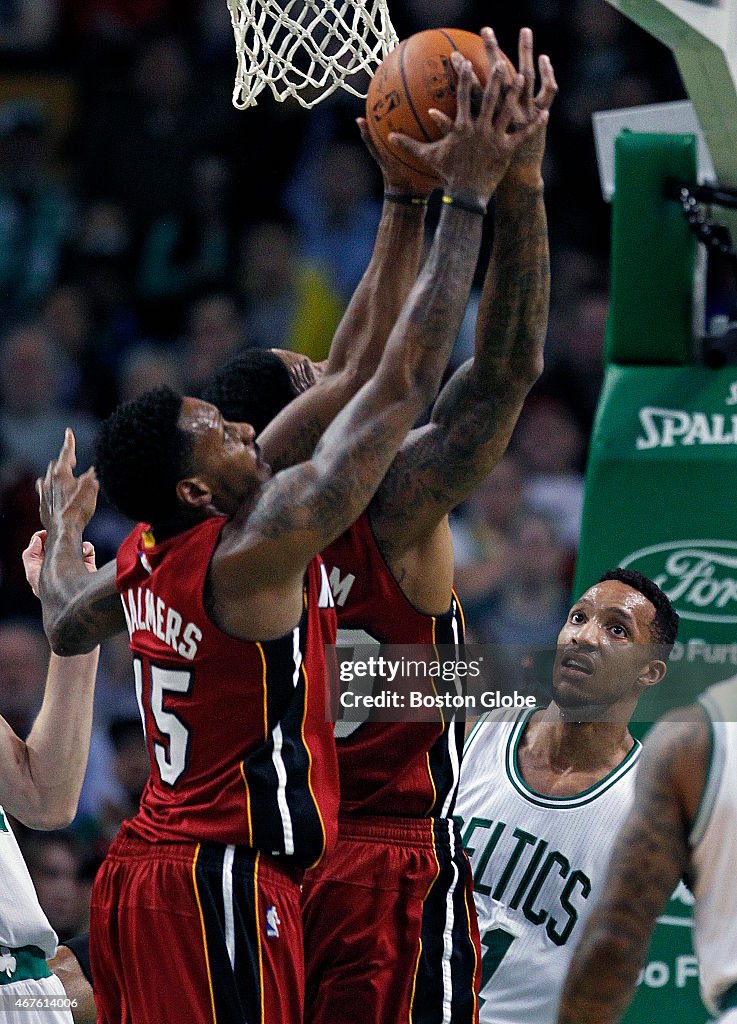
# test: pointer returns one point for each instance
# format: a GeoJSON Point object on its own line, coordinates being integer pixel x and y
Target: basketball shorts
{"type": "Point", "coordinates": [195, 934]}
{"type": "Point", "coordinates": [390, 926]}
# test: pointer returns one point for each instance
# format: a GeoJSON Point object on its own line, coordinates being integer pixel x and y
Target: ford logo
{"type": "Point", "coordinates": [699, 576]}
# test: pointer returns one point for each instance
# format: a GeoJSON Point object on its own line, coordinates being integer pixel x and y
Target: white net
{"type": "Point", "coordinates": [307, 48]}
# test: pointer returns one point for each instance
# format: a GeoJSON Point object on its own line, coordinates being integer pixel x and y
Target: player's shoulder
{"type": "Point", "coordinates": [488, 728]}
{"type": "Point", "coordinates": [676, 756]}
{"type": "Point", "coordinates": [681, 730]}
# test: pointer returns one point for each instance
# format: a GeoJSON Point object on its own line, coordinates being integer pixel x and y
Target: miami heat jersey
{"type": "Point", "coordinates": [239, 746]}
{"type": "Point", "coordinates": [407, 769]}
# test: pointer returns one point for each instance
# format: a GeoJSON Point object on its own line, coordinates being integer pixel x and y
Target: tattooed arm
{"type": "Point", "coordinates": [362, 333]}
{"type": "Point", "coordinates": [79, 608]}
{"type": "Point", "coordinates": [304, 508]}
{"type": "Point", "coordinates": [441, 464]}
{"type": "Point", "coordinates": [649, 857]}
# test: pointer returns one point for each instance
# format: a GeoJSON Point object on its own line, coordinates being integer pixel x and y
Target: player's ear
{"type": "Point", "coordinates": [652, 673]}
{"type": "Point", "coordinates": [194, 492]}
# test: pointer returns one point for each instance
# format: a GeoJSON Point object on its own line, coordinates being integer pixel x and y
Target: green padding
{"type": "Point", "coordinates": [661, 497]}
{"type": "Point", "coordinates": [653, 252]}
{"type": "Point", "coordinates": [662, 470]}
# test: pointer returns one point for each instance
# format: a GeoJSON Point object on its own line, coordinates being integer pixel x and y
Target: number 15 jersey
{"type": "Point", "coordinates": [240, 749]}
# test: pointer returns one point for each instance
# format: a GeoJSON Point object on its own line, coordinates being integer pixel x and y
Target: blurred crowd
{"type": "Point", "coordinates": [148, 231]}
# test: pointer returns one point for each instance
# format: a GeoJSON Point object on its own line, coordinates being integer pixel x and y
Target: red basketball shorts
{"type": "Point", "coordinates": [186, 933]}
{"type": "Point", "coordinates": [390, 927]}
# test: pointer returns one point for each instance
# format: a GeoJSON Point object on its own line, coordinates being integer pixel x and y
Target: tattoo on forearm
{"type": "Point", "coordinates": [291, 504]}
{"type": "Point", "coordinates": [358, 448]}
{"type": "Point", "coordinates": [475, 414]}
{"type": "Point", "coordinates": [649, 857]}
{"type": "Point", "coordinates": [513, 310]}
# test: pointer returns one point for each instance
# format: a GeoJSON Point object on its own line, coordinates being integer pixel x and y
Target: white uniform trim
{"type": "Point", "coordinates": [448, 934]}
{"type": "Point", "coordinates": [228, 903]}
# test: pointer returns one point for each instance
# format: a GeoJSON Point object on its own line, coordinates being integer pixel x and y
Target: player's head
{"type": "Point", "coordinates": [256, 385]}
{"type": "Point", "coordinates": [614, 643]}
{"type": "Point", "coordinates": [162, 458]}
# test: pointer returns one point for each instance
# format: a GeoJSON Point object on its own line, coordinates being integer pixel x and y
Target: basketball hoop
{"type": "Point", "coordinates": [307, 48]}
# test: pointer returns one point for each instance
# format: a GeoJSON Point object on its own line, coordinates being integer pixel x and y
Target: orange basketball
{"type": "Point", "coordinates": [414, 77]}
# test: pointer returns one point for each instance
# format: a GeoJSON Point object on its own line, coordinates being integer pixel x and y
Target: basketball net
{"type": "Point", "coordinates": [307, 48]}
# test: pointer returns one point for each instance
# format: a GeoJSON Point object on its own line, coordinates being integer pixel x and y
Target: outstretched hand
{"type": "Point", "coordinates": [527, 161]}
{"type": "Point", "coordinates": [474, 153]}
{"type": "Point", "coordinates": [64, 497]}
{"type": "Point", "coordinates": [33, 557]}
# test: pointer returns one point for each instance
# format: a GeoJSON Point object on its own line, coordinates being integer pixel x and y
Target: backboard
{"type": "Point", "coordinates": [703, 37]}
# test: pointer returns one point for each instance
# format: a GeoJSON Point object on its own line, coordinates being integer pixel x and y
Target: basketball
{"type": "Point", "coordinates": [414, 77]}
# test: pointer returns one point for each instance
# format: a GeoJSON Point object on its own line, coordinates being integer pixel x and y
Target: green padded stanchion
{"type": "Point", "coordinates": [661, 497]}
{"type": "Point", "coordinates": [653, 252]}
{"type": "Point", "coordinates": [661, 486]}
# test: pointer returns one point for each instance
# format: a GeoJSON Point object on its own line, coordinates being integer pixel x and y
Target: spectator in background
{"type": "Point", "coordinates": [56, 862]}
{"type": "Point", "coordinates": [117, 773]}
{"type": "Point", "coordinates": [32, 419]}
{"type": "Point", "coordinates": [576, 370]}
{"type": "Point", "coordinates": [131, 764]}
{"type": "Point", "coordinates": [511, 566]}
{"type": "Point", "coordinates": [161, 121]}
{"type": "Point", "coordinates": [147, 366]}
{"type": "Point", "coordinates": [67, 321]}
{"type": "Point", "coordinates": [551, 447]}
{"type": "Point", "coordinates": [115, 701]}
{"type": "Point", "coordinates": [188, 250]}
{"type": "Point", "coordinates": [35, 213]}
{"type": "Point", "coordinates": [28, 27]}
{"type": "Point", "coordinates": [115, 695]}
{"type": "Point", "coordinates": [482, 538]}
{"type": "Point", "coordinates": [100, 262]}
{"type": "Point", "coordinates": [19, 519]}
{"type": "Point", "coordinates": [332, 201]}
{"type": "Point", "coordinates": [289, 301]}
{"type": "Point", "coordinates": [214, 334]}
{"type": "Point", "coordinates": [24, 657]}
{"type": "Point", "coordinates": [534, 594]}
{"type": "Point", "coordinates": [117, 23]}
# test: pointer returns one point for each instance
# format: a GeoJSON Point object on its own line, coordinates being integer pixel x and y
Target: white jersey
{"type": "Point", "coordinates": [22, 921]}
{"type": "Point", "coordinates": [538, 863]}
{"type": "Point", "coordinates": [713, 841]}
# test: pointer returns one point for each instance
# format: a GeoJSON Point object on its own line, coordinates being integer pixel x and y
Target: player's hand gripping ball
{"type": "Point", "coordinates": [416, 76]}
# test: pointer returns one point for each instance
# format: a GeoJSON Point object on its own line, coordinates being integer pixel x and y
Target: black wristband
{"type": "Point", "coordinates": [465, 204]}
{"type": "Point", "coordinates": [405, 200]}
{"type": "Point", "coordinates": [80, 946]}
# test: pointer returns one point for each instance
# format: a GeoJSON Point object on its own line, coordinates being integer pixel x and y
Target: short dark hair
{"type": "Point", "coordinates": [141, 455]}
{"type": "Point", "coordinates": [252, 388]}
{"type": "Point", "coordinates": [664, 627]}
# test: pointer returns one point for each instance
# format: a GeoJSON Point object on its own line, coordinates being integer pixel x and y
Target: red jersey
{"type": "Point", "coordinates": [239, 747]}
{"type": "Point", "coordinates": [405, 769]}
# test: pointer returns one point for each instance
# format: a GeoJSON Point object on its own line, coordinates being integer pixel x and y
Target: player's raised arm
{"type": "Point", "coordinates": [651, 854]}
{"type": "Point", "coordinates": [41, 777]}
{"type": "Point", "coordinates": [474, 416]}
{"type": "Point", "coordinates": [79, 608]}
{"type": "Point", "coordinates": [304, 508]}
{"type": "Point", "coordinates": [363, 331]}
